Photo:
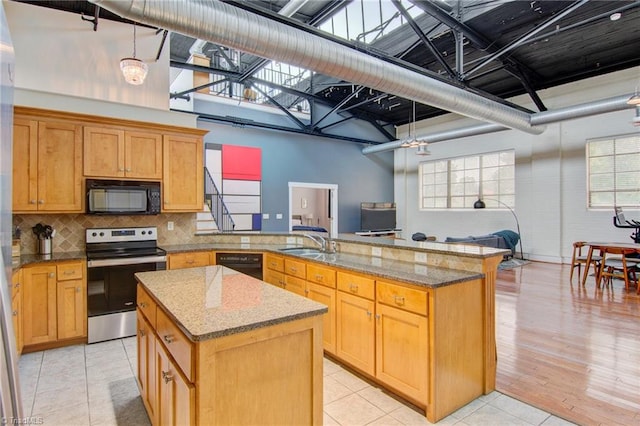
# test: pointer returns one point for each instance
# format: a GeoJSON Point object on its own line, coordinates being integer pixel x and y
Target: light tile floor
{"type": "Point", "coordinates": [95, 385]}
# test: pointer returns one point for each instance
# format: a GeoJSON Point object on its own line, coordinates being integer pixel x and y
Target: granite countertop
{"type": "Point", "coordinates": [216, 301]}
{"type": "Point", "coordinates": [413, 273]}
{"type": "Point", "coordinates": [30, 259]}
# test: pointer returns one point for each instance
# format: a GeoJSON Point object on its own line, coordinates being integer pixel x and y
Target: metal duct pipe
{"type": "Point", "coordinates": [236, 28]}
{"type": "Point", "coordinates": [617, 103]}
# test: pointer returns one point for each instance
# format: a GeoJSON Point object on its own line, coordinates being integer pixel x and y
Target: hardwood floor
{"type": "Point", "coordinates": [570, 350]}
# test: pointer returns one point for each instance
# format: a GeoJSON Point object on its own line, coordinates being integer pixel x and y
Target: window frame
{"type": "Point", "coordinates": [503, 196]}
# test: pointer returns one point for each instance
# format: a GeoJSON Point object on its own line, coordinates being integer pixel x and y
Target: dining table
{"type": "Point", "coordinates": [602, 247]}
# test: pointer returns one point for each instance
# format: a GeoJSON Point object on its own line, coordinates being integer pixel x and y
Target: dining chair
{"type": "Point", "coordinates": [615, 264]}
{"type": "Point", "coordinates": [578, 259]}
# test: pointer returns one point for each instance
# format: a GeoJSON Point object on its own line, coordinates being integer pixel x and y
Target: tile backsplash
{"type": "Point", "coordinates": [70, 228]}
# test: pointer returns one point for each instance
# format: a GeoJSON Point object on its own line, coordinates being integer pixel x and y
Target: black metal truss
{"type": "Point", "coordinates": [514, 67]}
{"type": "Point", "coordinates": [233, 76]}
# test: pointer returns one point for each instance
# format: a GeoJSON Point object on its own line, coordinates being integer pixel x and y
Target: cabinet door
{"type": "Point", "coordinates": [39, 304]}
{"type": "Point", "coordinates": [402, 351]}
{"type": "Point", "coordinates": [25, 165]}
{"type": "Point", "coordinates": [59, 167]}
{"type": "Point", "coordinates": [355, 331]}
{"type": "Point", "coordinates": [147, 381]}
{"type": "Point", "coordinates": [72, 309]}
{"type": "Point", "coordinates": [103, 152]}
{"type": "Point", "coordinates": [183, 174]}
{"type": "Point", "coordinates": [16, 308]}
{"type": "Point", "coordinates": [143, 155]}
{"type": "Point", "coordinates": [176, 396]}
{"type": "Point", "coordinates": [326, 296]}
{"type": "Point", "coordinates": [295, 285]}
{"type": "Point", "coordinates": [273, 277]}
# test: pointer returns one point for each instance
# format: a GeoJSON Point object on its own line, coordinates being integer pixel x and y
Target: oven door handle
{"type": "Point", "coordinates": [125, 261]}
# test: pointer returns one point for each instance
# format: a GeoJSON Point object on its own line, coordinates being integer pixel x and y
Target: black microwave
{"type": "Point", "coordinates": [122, 197]}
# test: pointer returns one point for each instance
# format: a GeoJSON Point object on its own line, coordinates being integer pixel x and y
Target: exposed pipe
{"type": "Point", "coordinates": [617, 103]}
{"type": "Point", "coordinates": [238, 29]}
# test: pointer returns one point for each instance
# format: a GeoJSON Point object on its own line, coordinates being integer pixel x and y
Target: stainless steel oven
{"type": "Point", "coordinates": [114, 255]}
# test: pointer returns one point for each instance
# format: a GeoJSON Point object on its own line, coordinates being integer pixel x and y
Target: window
{"type": "Point", "coordinates": [613, 171]}
{"type": "Point", "coordinates": [458, 182]}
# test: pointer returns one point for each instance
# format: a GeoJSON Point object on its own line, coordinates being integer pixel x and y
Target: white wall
{"type": "Point", "coordinates": [551, 192]}
{"type": "Point", "coordinates": [59, 53]}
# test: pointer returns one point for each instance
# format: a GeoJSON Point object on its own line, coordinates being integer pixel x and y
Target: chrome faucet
{"type": "Point", "coordinates": [319, 240]}
{"type": "Point", "coordinates": [326, 244]}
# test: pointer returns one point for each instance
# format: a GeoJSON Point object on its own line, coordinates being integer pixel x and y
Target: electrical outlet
{"type": "Point", "coordinates": [265, 215]}
{"type": "Point", "coordinates": [278, 215]}
{"type": "Point", "coordinates": [376, 251]}
{"type": "Point", "coordinates": [420, 257]}
{"type": "Point", "coordinates": [170, 226]}
{"type": "Point", "coordinates": [245, 240]}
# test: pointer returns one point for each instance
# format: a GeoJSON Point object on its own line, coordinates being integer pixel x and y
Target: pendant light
{"type": "Point", "coordinates": [134, 70]}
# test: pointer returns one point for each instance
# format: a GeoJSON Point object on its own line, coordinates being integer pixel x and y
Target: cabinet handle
{"type": "Point", "coordinates": [190, 262]}
{"type": "Point", "coordinates": [292, 269]}
{"type": "Point", "coordinates": [398, 299]}
{"type": "Point", "coordinates": [17, 285]}
{"type": "Point", "coordinates": [166, 376]}
{"type": "Point", "coordinates": [51, 275]}
{"type": "Point", "coordinates": [40, 201]}
{"type": "Point", "coordinates": [306, 291]}
{"type": "Point", "coordinates": [32, 201]}
{"type": "Point", "coordinates": [353, 288]}
{"type": "Point", "coordinates": [127, 170]}
{"type": "Point", "coordinates": [319, 277]}
{"type": "Point", "coordinates": [142, 305]}
{"type": "Point", "coordinates": [168, 338]}
{"type": "Point", "coordinates": [77, 289]}
{"type": "Point", "coordinates": [141, 332]}
{"type": "Point", "coordinates": [377, 316]}
{"type": "Point", "coordinates": [369, 314]}
{"type": "Point", "coordinates": [15, 313]}
{"type": "Point", "coordinates": [69, 272]}
{"type": "Point", "coordinates": [121, 170]}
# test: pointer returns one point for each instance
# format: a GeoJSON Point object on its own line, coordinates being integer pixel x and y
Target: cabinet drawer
{"type": "Point", "coordinates": [275, 263]}
{"type": "Point", "coordinates": [178, 345]}
{"type": "Point", "coordinates": [189, 260]}
{"type": "Point", "coordinates": [274, 277]}
{"type": "Point", "coordinates": [356, 284]}
{"type": "Point", "coordinates": [70, 271]}
{"type": "Point", "coordinates": [295, 268]}
{"type": "Point", "coordinates": [321, 275]}
{"type": "Point", "coordinates": [146, 305]}
{"type": "Point", "coordinates": [401, 297]}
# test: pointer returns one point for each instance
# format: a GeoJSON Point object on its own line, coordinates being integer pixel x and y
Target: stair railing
{"type": "Point", "coordinates": [218, 208]}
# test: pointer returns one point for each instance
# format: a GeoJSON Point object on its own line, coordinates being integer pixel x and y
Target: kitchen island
{"type": "Point", "coordinates": [219, 347]}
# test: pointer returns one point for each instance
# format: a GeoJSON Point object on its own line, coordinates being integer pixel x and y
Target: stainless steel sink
{"type": "Point", "coordinates": [302, 251]}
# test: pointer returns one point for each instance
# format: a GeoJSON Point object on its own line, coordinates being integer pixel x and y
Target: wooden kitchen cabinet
{"type": "Point", "coordinates": [47, 166]}
{"type": "Point", "coordinates": [39, 304]}
{"type": "Point", "coordinates": [54, 302]}
{"type": "Point", "coordinates": [326, 296]}
{"type": "Point", "coordinates": [147, 380]}
{"type": "Point", "coordinates": [120, 153]}
{"type": "Point", "coordinates": [402, 340]}
{"type": "Point", "coordinates": [355, 331]}
{"type": "Point", "coordinates": [190, 259]}
{"type": "Point", "coordinates": [183, 174]}
{"type": "Point", "coordinates": [176, 395]}
{"type": "Point", "coordinates": [16, 308]}
{"type": "Point", "coordinates": [71, 300]}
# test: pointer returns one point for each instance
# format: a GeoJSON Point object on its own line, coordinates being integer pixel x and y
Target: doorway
{"type": "Point", "coordinates": [314, 205]}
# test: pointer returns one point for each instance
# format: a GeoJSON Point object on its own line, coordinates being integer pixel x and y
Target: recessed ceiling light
{"type": "Point", "coordinates": [615, 16]}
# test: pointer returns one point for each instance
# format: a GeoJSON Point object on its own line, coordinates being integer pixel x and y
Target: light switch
{"type": "Point", "coordinates": [170, 226]}
{"type": "Point", "coordinates": [265, 215]}
{"type": "Point", "coordinates": [278, 215]}
{"type": "Point", "coordinates": [244, 240]}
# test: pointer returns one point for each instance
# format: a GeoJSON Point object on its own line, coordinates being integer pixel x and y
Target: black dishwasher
{"type": "Point", "coordinates": [247, 263]}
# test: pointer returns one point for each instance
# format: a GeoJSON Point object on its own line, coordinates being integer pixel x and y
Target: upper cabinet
{"type": "Point", "coordinates": [117, 153]}
{"type": "Point", "coordinates": [47, 166]}
{"type": "Point", "coordinates": [183, 180]}
{"type": "Point", "coordinates": [54, 151]}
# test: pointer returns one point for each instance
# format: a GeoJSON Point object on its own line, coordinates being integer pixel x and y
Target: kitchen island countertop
{"type": "Point", "coordinates": [215, 301]}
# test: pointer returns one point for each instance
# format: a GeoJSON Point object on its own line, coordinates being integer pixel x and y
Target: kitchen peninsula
{"type": "Point", "coordinates": [219, 347]}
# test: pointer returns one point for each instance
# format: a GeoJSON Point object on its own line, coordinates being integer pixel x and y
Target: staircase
{"type": "Point", "coordinates": [215, 216]}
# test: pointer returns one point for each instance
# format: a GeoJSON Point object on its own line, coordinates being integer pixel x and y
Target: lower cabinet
{"type": "Point", "coordinates": [326, 296]}
{"type": "Point", "coordinates": [16, 308]}
{"type": "Point", "coordinates": [189, 259]}
{"type": "Point", "coordinates": [54, 302]}
{"type": "Point", "coordinates": [147, 382]}
{"type": "Point", "coordinates": [176, 395]}
{"type": "Point", "coordinates": [355, 336]}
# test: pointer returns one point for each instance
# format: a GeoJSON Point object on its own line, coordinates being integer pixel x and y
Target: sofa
{"type": "Point", "coordinates": [505, 239]}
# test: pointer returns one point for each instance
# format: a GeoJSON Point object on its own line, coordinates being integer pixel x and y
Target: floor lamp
{"type": "Point", "coordinates": [481, 205]}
